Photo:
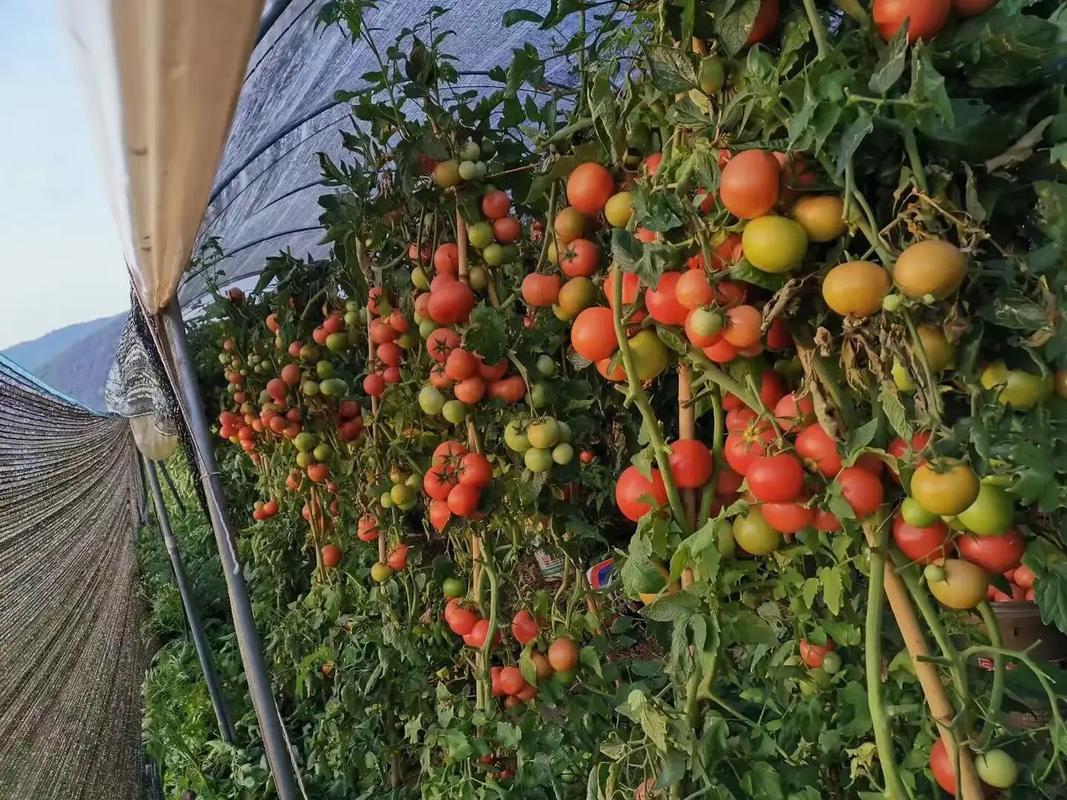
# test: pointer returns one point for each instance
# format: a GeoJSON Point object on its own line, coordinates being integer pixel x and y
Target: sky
{"type": "Point", "coordinates": [60, 258]}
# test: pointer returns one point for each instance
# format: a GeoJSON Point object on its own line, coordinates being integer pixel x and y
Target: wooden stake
{"type": "Point", "coordinates": [687, 429]}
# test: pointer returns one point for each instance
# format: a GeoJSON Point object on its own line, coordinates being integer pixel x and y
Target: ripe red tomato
{"type": "Point", "coordinates": [743, 326]}
{"type": "Point", "coordinates": [942, 767]}
{"type": "Point", "coordinates": [398, 557]}
{"type": "Point", "coordinates": [691, 463]}
{"type": "Point", "coordinates": [589, 187]}
{"type": "Point", "coordinates": [451, 303]}
{"type": "Point", "coordinates": [743, 447]}
{"type": "Point", "coordinates": [441, 342]}
{"type": "Point", "coordinates": [862, 490]}
{"type": "Point", "coordinates": [438, 482]}
{"type": "Point", "coordinates": [463, 499]}
{"type": "Point", "coordinates": [721, 351]}
{"type": "Point", "coordinates": [1024, 577]}
{"type": "Point", "coordinates": [812, 654]}
{"type": "Point", "coordinates": [662, 302]}
{"type": "Point", "coordinates": [459, 619]}
{"type": "Point", "coordinates": [766, 19]}
{"type": "Point", "coordinates": [492, 372]}
{"type": "Point", "coordinates": [815, 446]}
{"type": "Point", "coordinates": [507, 230]}
{"type": "Point", "coordinates": [540, 290]}
{"type": "Point", "coordinates": [496, 205]}
{"type": "Point", "coordinates": [511, 680]}
{"type": "Point", "coordinates": [510, 389]}
{"type": "Point", "coordinates": [693, 290]}
{"type": "Point", "coordinates": [318, 472]}
{"type": "Point", "coordinates": [390, 354]}
{"type": "Point", "coordinates": [331, 556]}
{"type": "Point", "coordinates": [922, 545]}
{"type": "Point", "coordinates": [633, 491]}
{"type": "Point", "coordinates": [446, 258]}
{"type": "Point", "coordinates": [593, 334]}
{"type": "Point", "coordinates": [791, 411]}
{"type": "Point", "coordinates": [826, 521]}
{"type": "Point", "coordinates": [475, 470]}
{"type": "Point", "coordinates": [563, 655]}
{"type": "Point", "coordinates": [580, 258]}
{"type": "Point", "coordinates": [524, 627]}
{"type": "Point", "coordinates": [448, 452]}
{"type": "Point", "coordinates": [461, 364]}
{"type": "Point", "coordinates": [775, 479]}
{"type": "Point", "coordinates": [739, 419]}
{"type": "Point", "coordinates": [993, 553]}
{"type": "Point", "coordinates": [750, 184]}
{"type": "Point", "coordinates": [778, 335]}
{"type": "Point", "coordinates": [786, 517]}
{"type": "Point", "coordinates": [439, 514]}
{"type": "Point", "coordinates": [925, 17]}
{"type": "Point", "coordinates": [477, 636]}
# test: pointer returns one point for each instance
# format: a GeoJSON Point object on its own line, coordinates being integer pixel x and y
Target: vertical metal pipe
{"type": "Point", "coordinates": [170, 485]}
{"type": "Point", "coordinates": [274, 740]}
{"type": "Point", "coordinates": [196, 630]}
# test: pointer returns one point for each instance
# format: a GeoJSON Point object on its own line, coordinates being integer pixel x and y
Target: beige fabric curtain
{"type": "Point", "coordinates": [163, 79]}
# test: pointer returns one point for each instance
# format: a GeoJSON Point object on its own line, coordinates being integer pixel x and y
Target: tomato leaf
{"type": "Point", "coordinates": [516, 15]}
{"type": "Point", "coordinates": [891, 64]}
{"type": "Point", "coordinates": [671, 69]}
{"type": "Point", "coordinates": [1050, 585]}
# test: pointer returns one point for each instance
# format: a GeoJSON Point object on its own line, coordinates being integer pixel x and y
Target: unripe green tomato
{"type": "Point", "coordinates": [305, 442]}
{"type": "Point", "coordinates": [494, 254]}
{"type": "Point", "coordinates": [401, 493]}
{"type": "Point", "coordinates": [915, 515]}
{"type": "Point", "coordinates": [562, 453]}
{"type": "Point", "coordinates": [478, 277]}
{"type": "Point", "coordinates": [324, 369]}
{"type": "Point", "coordinates": [419, 279]}
{"type": "Point", "coordinates": [712, 75]}
{"type": "Point", "coordinates": [386, 500]}
{"type": "Point", "coordinates": [565, 434]}
{"type": "Point", "coordinates": [454, 411]}
{"type": "Point", "coordinates": [431, 401]}
{"type": "Point", "coordinates": [304, 460]}
{"type": "Point", "coordinates": [470, 151]}
{"type": "Point", "coordinates": [322, 452]}
{"type": "Point", "coordinates": [515, 437]}
{"type": "Point", "coordinates": [892, 303]}
{"type": "Point", "coordinates": [538, 459]}
{"type": "Point", "coordinates": [405, 340]}
{"type": "Point", "coordinates": [468, 170]}
{"type": "Point", "coordinates": [414, 481]}
{"type": "Point", "coordinates": [831, 663]}
{"type": "Point", "coordinates": [309, 352]}
{"type": "Point", "coordinates": [997, 768]}
{"type": "Point", "coordinates": [480, 235]}
{"type": "Point", "coordinates": [724, 539]}
{"type": "Point", "coordinates": [538, 395]}
{"type": "Point", "coordinates": [546, 365]}
{"type": "Point", "coordinates": [352, 319]}
{"type": "Point", "coordinates": [426, 327]}
{"type": "Point", "coordinates": [310, 388]}
{"type": "Point", "coordinates": [352, 306]}
{"type": "Point", "coordinates": [337, 342]}
{"type": "Point", "coordinates": [991, 513]}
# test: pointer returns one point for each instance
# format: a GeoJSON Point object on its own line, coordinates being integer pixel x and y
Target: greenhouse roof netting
{"type": "Point", "coordinates": [267, 186]}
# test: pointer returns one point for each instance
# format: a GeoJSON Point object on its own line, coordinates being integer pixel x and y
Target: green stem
{"type": "Point", "coordinates": [996, 694]}
{"type": "Point", "coordinates": [487, 645]}
{"type": "Point", "coordinates": [648, 415]}
{"type": "Point", "coordinates": [550, 231]}
{"type": "Point", "coordinates": [937, 630]}
{"type": "Point", "coordinates": [911, 146]}
{"type": "Point", "coordinates": [723, 380]}
{"type": "Point", "coordinates": [883, 733]}
{"type": "Point", "coordinates": [933, 396]}
{"type": "Point", "coordinates": [568, 130]}
{"type": "Point", "coordinates": [818, 30]}
{"type": "Point", "coordinates": [854, 10]}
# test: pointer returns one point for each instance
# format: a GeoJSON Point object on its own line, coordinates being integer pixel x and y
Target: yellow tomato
{"type": "Point", "coordinates": [932, 267]}
{"type": "Point", "coordinates": [619, 209]}
{"type": "Point", "coordinates": [774, 244]}
{"type": "Point", "coordinates": [855, 288]}
{"type": "Point", "coordinates": [822, 217]}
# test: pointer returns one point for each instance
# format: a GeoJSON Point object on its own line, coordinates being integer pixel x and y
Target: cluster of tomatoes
{"type": "Point", "coordinates": [454, 483]}
{"type": "Point", "coordinates": [542, 443]}
{"type": "Point", "coordinates": [467, 375]}
{"type": "Point", "coordinates": [389, 335]}
{"type": "Point", "coordinates": [264, 509]}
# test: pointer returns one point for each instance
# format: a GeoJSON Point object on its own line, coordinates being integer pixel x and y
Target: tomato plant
{"type": "Point", "coordinates": [793, 293]}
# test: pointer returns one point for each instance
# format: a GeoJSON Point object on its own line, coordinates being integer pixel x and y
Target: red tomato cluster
{"type": "Point", "coordinates": [264, 509]}
{"type": "Point", "coordinates": [454, 483]}
{"type": "Point", "coordinates": [387, 355]}
{"type": "Point", "coordinates": [1022, 580]}
{"type": "Point", "coordinates": [467, 375]}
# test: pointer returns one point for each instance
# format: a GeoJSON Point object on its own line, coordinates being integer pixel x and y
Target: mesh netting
{"type": "Point", "coordinates": [266, 191]}
{"type": "Point", "coordinates": [71, 655]}
{"type": "Point", "coordinates": [137, 384]}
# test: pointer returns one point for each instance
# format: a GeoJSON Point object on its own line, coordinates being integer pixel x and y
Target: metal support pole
{"type": "Point", "coordinates": [274, 739]}
{"type": "Point", "coordinates": [196, 630]}
{"type": "Point", "coordinates": [170, 485]}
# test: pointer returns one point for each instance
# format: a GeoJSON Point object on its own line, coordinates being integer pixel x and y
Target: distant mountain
{"type": "Point", "coordinates": [75, 359]}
